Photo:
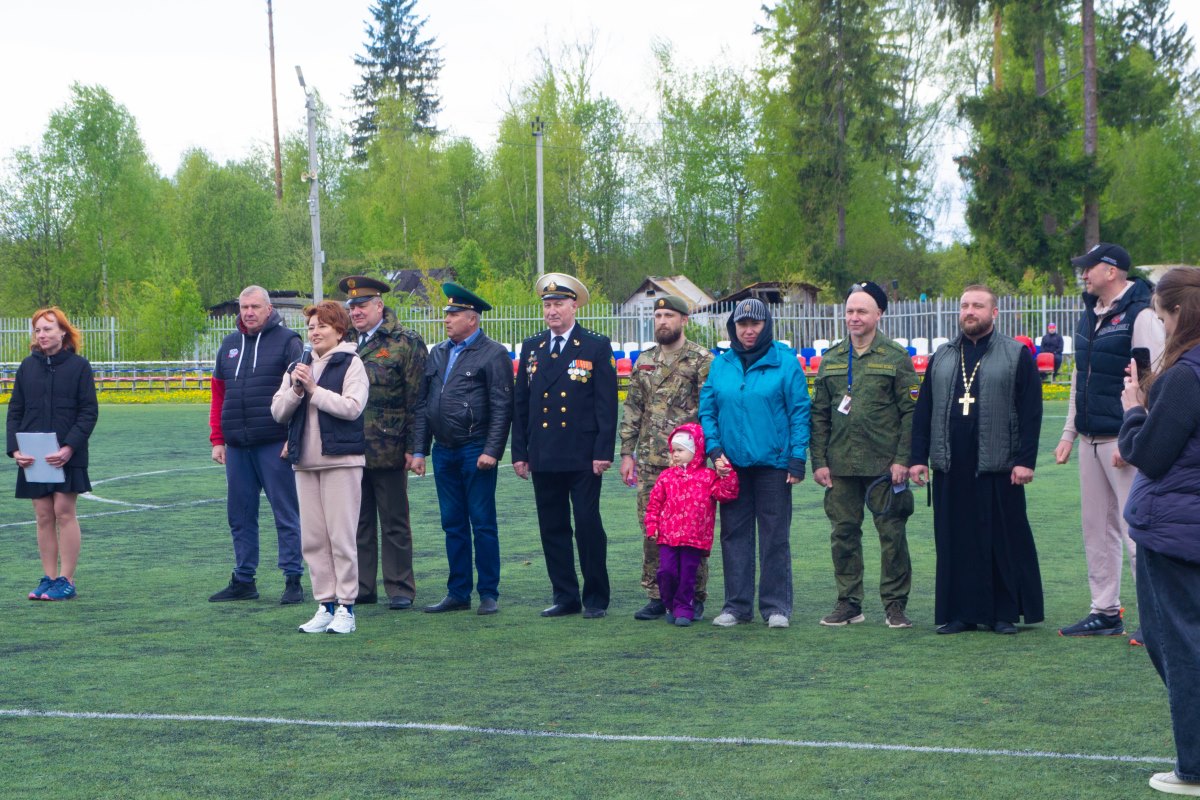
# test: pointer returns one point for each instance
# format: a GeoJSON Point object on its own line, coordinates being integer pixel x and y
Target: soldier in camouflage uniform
{"type": "Point", "coordinates": [664, 393]}
{"type": "Point", "coordinates": [862, 413]}
{"type": "Point", "coordinates": [394, 357]}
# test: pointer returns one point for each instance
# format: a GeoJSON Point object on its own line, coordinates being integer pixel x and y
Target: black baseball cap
{"type": "Point", "coordinates": [1104, 253]}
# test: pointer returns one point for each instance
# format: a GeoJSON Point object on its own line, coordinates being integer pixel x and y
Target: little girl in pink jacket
{"type": "Point", "coordinates": [681, 515]}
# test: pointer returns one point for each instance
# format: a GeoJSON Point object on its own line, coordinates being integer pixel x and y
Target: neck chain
{"type": "Point", "coordinates": [966, 400]}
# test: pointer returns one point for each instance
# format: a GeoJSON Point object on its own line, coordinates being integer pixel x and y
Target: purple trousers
{"type": "Point", "coordinates": [677, 578]}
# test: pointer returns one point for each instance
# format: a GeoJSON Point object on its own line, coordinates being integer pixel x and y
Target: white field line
{"type": "Point", "coordinates": [132, 510]}
{"type": "Point", "coordinates": [431, 727]}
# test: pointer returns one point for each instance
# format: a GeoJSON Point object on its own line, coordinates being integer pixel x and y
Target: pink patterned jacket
{"type": "Point", "coordinates": [682, 507]}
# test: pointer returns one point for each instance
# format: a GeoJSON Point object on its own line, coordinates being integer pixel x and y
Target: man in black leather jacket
{"type": "Point", "coordinates": [466, 406]}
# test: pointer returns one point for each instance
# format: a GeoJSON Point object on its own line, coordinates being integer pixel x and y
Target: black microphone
{"type": "Point", "coordinates": [305, 357]}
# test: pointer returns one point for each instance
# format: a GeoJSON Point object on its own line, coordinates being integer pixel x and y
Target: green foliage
{"type": "Point", "coordinates": [166, 315]}
{"type": "Point", "coordinates": [398, 66]}
{"type": "Point", "coordinates": [1021, 172]}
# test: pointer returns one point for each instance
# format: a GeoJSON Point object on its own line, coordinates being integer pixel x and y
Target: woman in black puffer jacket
{"type": "Point", "coordinates": [54, 392]}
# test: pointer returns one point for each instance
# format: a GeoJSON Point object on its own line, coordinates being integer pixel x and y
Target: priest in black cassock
{"type": "Point", "coordinates": [977, 421]}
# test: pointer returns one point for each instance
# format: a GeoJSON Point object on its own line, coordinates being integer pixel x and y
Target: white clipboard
{"type": "Point", "coordinates": [40, 445]}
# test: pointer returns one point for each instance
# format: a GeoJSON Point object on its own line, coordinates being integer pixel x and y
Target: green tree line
{"type": "Point", "coordinates": [816, 164]}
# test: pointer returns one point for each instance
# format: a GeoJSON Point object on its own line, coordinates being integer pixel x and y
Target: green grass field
{"type": "Point", "coordinates": [241, 693]}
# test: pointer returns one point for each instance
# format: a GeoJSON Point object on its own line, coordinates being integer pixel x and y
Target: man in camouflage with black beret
{"type": "Point", "coordinates": [664, 393]}
{"type": "Point", "coordinates": [862, 411]}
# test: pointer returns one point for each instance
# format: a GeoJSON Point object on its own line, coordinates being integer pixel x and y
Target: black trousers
{"type": "Point", "coordinates": [383, 525]}
{"type": "Point", "coordinates": [556, 495]}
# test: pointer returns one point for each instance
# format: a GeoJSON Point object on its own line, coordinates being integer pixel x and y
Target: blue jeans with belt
{"type": "Point", "coordinates": [467, 500]}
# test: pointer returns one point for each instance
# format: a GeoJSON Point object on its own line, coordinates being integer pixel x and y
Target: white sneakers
{"type": "Point", "coordinates": [319, 623]}
{"type": "Point", "coordinates": [1171, 783]}
{"type": "Point", "coordinates": [341, 621]}
{"type": "Point", "coordinates": [727, 620]}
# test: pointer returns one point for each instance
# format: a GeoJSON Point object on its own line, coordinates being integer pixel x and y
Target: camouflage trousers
{"type": "Point", "coordinates": [646, 478]}
{"type": "Point", "coordinates": [844, 506]}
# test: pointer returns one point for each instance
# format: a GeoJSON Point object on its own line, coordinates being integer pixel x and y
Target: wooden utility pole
{"type": "Point", "coordinates": [1091, 204]}
{"type": "Point", "coordinates": [274, 107]}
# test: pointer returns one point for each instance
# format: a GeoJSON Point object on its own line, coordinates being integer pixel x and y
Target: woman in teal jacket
{"type": "Point", "coordinates": [754, 409]}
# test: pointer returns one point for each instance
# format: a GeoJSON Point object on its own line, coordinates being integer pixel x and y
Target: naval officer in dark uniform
{"type": "Point", "coordinates": [564, 434]}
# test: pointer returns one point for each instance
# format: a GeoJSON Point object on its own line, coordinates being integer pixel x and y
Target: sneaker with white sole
{"type": "Point", "coordinates": [844, 613]}
{"type": "Point", "coordinates": [777, 621]}
{"type": "Point", "coordinates": [896, 618]}
{"type": "Point", "coordinates": [725, 620]}
{"type": "Point", "coordinates": [1171, 783]}
{"type": "Point", "coordinates": [343, 621]}
{"type": "Point", "coordinates": [320, 621]}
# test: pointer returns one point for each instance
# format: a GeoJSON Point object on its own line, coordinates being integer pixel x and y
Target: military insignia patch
{"type": "Point", "coordinates": [913, 391]}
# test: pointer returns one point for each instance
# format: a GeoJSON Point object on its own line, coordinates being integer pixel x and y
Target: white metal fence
{"type": "Point", "coordinates": [802, 325]}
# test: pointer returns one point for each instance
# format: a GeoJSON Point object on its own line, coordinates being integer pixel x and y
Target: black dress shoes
{"type": "Point", "coordinates": [562, 610]}
{"type": "Point", "coordinates": [1005, 628]}
{"type": "Point", "coordinates": [366, 599]}
{"type": "Point", "coordinates": [594, 613]}
{"type": "Point", "coordinates": [488, 606]}
{"type": "Point", "coordinates": [399, 603]}
{"type": "Point", "coordinates": [448, 603]}
{"type": "Point", "coordinates": [957, 627]}
{"type": "Point", "coordinates": [652, 610]}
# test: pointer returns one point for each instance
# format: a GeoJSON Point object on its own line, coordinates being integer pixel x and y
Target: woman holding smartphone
{"type": "Point", "coordinates": [1160, 436]}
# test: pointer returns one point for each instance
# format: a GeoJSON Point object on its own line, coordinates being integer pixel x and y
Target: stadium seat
{"type": "Point", "coordinates": [616, 346]}
{"type": "Point", "coordinates": [912, 351]}
{"type": "Point", "coordinates": [624, 368]}
{"type": "Point", "coordinates": [807, 352]}
{"type": "Point", "coordinates": [618, 354]}
{"type": "Point", "coordinates": [723, 345]}
{"type": "Point", "coordinates": [516, 365]}
{"type": "Point", "coordinates": [631, 347]}
{"type": "Point", "coordinates": [900, 340]}
{"type": "Point", "coordinates": [507, 346]}
{"type": "Point", "coordinates": [647, 345]}
{"type": "Point", "coordinates": [920, 363]}
{"type": "Point", "coordinates": [814, 363]}
{"type": "Point", "coordinates": [921, 344]}
{"type": "Point", "coordinates": [820, 345]}
{"type": "Point", "coordinates": [802, 361]}
{"type": "Point", "coordinates": [938, 342]}
{"type": "Point", "coordinates": [633, 356]}
{"type": "Point", "coordinates": [1068, 345]}
{"type": "Point", "coordinates": [1045, 362]}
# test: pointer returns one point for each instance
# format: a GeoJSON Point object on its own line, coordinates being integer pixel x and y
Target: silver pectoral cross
{"type": "Point", "coordinates": [966, 400]}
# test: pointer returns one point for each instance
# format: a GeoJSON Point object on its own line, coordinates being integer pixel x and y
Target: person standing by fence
{"type": "Point", "coordinates": [54, 392]}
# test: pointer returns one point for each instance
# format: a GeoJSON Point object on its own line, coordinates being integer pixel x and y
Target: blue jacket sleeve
{"type": "Point", "coordinates": [798, 411]}
{"type": "Point", "coordinates": [708, 415]}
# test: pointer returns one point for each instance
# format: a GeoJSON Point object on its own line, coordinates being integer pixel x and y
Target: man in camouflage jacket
{"type": "Point", "coordinates": [394, 357]}
{"type": "Point", "coordinates": [862, 410]}
{"type": "Point", "coordinates": [664, 393]}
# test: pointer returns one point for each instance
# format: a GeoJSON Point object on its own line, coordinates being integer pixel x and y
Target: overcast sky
{"type": "Point", "coordinates": [197, 74]}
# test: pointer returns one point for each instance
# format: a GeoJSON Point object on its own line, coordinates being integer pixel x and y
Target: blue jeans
{"type": "Point", "coordinates": [764, 502]}
{"type": "Point", "coordinates": [461, 486]}
{"type": "Point", "coordinates": [250, 471]}
{"type": "Point", "coordinates": [1168, 591]}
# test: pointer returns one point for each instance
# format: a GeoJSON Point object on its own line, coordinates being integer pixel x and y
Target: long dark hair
{"type": "Point", "coordinates": [1179, 290]}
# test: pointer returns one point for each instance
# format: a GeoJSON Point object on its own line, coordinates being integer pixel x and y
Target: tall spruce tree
{"type": "Point", "coordinates": [398, 65]}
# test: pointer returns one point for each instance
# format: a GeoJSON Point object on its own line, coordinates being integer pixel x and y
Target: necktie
{"type": "Point", "coordinates": [557, 348]}
{"type": "Point", "coordinates": [362, 340]}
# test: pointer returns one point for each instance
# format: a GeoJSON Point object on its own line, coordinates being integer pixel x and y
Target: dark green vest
{"type": "Point", "coordinates": [994, 389]}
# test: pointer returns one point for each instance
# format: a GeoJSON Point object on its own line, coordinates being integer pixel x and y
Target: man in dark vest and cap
{"type": "Point", "coordinates": [466, 401]}
{"type": "Point", "coordinates": [977, 421]}
{"type": "Point", "coordinates": [1117, 318]}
